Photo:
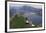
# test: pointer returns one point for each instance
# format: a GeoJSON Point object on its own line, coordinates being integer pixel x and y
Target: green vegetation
{"type": "Point", "coordinates": [17, 22]}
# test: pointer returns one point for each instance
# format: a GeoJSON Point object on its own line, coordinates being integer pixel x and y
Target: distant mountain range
{"type": "Point", "coordinates": [24, 9]}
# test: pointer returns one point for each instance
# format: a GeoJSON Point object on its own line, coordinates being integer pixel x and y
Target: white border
{"type": "Point", "coordinates": [8, 29]}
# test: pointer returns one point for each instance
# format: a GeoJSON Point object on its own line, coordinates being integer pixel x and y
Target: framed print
{"type": "Point", "coordinates": [24, 16]}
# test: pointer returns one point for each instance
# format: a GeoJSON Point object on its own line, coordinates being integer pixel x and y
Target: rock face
{"type": "Point", "coordinates": [28, 22]}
